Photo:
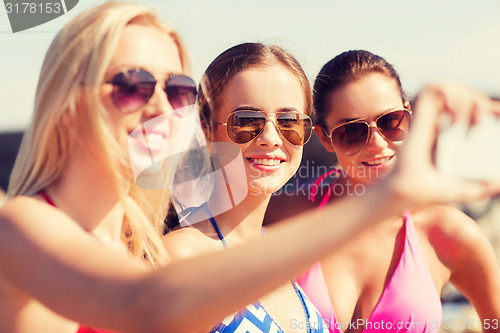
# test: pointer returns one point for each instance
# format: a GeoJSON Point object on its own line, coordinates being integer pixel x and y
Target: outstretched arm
{"type": "Point", "coordinates": [46, 255]}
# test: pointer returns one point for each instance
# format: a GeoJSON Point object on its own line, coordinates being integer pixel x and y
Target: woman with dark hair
{"type": "Point", "coordinates": [388, 278]}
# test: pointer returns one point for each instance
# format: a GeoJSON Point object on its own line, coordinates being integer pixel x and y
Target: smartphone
{"type": "Point", "coordinates": [471, 153]}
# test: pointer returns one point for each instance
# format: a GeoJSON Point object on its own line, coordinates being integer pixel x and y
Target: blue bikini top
{"type": "Point", "coordinates": [255, 319]}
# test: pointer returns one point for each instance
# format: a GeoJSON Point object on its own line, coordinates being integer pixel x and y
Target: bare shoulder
{"type": "Point", "coordinates": [30, 215]}
{"type": "Point", "coordinates": [21, 210]}
{"type": "Point", "coordinates": [441, 217]}
{"type": "Point", "coordinates": [15, 203]}
{"type": "Point", "coordinates": [47, 257]}
{"type": "Point", "coordinates": [451, 232]}
{"type": "Point", "coordinates": [35, 235]}
{"type": "Point", "coordinates": [187, 242]}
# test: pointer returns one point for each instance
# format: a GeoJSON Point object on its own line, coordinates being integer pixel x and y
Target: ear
{"type": "Point", "coordinates": [407, 105]}
{"type": "Point", "coordinates": [206, 132]}
{"type": "Point", "coordinates": [204, 127]}
{"type": "Point", "coordinates": [324, 138]}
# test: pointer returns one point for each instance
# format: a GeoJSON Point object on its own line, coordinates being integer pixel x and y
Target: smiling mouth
{"type": "Point", "coordinates": [266, 161]}
{"type": "Point", "coordinates": [155, 139]}
{"type": "Point", "coordinates": [378, 161]}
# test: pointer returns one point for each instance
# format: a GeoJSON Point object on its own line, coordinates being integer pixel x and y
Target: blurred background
{"type": "Point", "coordinates": [424, 40]}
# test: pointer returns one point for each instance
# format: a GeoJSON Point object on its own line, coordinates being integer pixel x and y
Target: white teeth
{"type": "Point", "coordinates": [155, 140]}
{"type": "Point", "coordinates": [266, 161]}
{"type": "Point", "coordinates": [378, 161]}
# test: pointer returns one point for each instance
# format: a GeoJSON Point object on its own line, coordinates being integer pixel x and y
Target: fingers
{"type": "Point", "coordinates": [416, 167]}
{"type": "Point", "coordinates": [493, 189]}
{"type": "Point", "coordinates": [481, 109]}
{"type": "Point", "coordinates": [495, 108]}
{"type": "Point", "coordinates": [462, 103]}
{"type": "Point", "coordinates": [465, 191]}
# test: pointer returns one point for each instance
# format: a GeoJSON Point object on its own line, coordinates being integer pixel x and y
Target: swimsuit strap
{"type": "Point", "coordinates": [304, 306]}
{"type": "Point", "coordinates": [315, 186]}
{"type": "Point", "coordinates": [294, 283]}
{"type": "Point", "coordinates": [216, 227]}
{"type": "Point", "coordinates": [47, 198]}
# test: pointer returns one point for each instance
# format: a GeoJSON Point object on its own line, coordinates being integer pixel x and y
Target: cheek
{"type": "Point", "coordinates": [295, 157]}
{"type": "Point", "coordinates": [117, 120]}
{"type": "Point", "coordinates": [349, 165]}
{"type": "Point", "coordinates": [396, 146]}
{"type": "Point", "coordinates": [106, 99]}
{"type": "Point", "coordinates": [119, 123]}
{"type": "Point", "coordinates": [346, 161]}
{"type": "Point", "coordinates": [291, 168]}
{"type": "Point", "coordinates": [121, 126]}
{"type": "Point", "coordinates": [218, 134]}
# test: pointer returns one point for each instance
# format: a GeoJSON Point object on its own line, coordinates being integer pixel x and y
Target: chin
{"type": "Point", "coordinates": [258, 187]}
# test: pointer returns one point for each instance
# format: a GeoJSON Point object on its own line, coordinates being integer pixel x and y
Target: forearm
{"type": "Point", "coordinates": [205, 289]}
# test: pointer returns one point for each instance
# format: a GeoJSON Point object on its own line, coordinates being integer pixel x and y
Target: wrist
{"type": "Point", "coordinates": [397, 193]}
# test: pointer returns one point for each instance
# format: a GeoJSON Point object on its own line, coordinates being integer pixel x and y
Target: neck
{"type": "Point", "coordinates": [244, 221]}
{"type": "Point", "coordinates": [347, 186]}
{"type": "Point", "coordinates": [86, 192]}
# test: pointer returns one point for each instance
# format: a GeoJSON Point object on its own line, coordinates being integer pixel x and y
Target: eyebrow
{"type": "Point", "coordinates": [125, 68]}
{"type": "Point", "coordinates": [346, 120]}
{"type": "Point", "coordinates": [253, 108]}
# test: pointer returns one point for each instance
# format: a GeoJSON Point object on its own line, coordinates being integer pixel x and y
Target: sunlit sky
{"type": "Point", "coordinates": [425, 40]}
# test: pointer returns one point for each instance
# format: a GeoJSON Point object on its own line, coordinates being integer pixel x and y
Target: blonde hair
{"type": "Point", "coordinates": [71, 74]}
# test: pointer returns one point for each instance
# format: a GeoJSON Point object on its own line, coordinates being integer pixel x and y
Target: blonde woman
{"type": "Point", "coordinates": [77, 243]}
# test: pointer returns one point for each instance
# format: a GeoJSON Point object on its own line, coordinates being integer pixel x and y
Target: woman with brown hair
{"type": "Point", "coordinates": [389, 277]}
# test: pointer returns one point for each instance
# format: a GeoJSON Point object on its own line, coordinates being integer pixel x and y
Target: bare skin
{"type": "Point", "coordinates": [269, 89]}
{"type": "Point", "coordinates": [455, 249]}
{"type": "Point", "coordinates": [68, 262]}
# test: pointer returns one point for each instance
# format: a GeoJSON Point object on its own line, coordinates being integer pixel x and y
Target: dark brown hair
{"type": "Point", "coordinates": [345, 68]}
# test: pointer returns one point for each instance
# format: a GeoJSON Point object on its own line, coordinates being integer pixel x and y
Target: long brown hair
{"type": "Point", "coordinates": [239, 58]}
{"type": "Point", "coordinates": [345, 68]}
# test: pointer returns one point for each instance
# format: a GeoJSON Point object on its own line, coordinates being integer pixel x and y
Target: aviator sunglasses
{"type": "Point", "coordinates": [352, 136]}
{"type": "Point", "coordinates": [243, 126]}
{"type": "Point", "coordinates": [132, 89]}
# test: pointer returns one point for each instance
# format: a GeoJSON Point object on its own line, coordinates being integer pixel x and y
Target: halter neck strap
{"type": "Point", "coordinates": [46, 197]}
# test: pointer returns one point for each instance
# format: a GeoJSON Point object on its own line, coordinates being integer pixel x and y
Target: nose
{"type": "Point", "coordinates": [376, 141]}
{"type": "Point", "coordinates": [269, 136]}
{"type": "Point", "coordinates": [158, 104]}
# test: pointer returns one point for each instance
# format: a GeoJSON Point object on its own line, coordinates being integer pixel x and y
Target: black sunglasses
{"type": "Point", "coordinates": [352, 136]}
{"type": "Point", "coordinates": [133, 88]}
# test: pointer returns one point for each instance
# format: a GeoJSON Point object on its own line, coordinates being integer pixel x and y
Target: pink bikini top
{"type": "Point", "coordinates": [81, 329]}
{"type": "Point", "coordinates": [409, 303]}
{"type": "Point", "coordinates": [84, 329]}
